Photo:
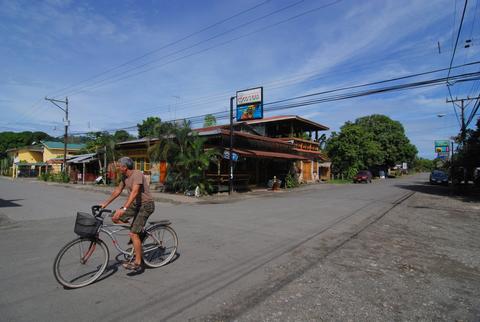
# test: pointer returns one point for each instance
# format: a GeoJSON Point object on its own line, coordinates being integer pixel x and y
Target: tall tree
{"type": "Point", "coordinates": [101, 142]}
{"type": "Point", "coordinates": [184, 150]}
{"type": "Point", "coordinates": [468, 156]}
{"type": "Point", "coordinates": [209, 120]}
{"type": "Point", "coordinates": [148, 126]}
{"type": "Point", "coordinates": [390, 134]}
{"type": "Point", "coordinates": [9, 140]}
{"type": "Point", "coordinates": [371, 141]}
{"type": "Point", "coordinates": [122, 136]}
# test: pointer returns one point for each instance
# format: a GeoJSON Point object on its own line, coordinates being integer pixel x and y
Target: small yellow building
{"type": "Point", "coordinates": [27, 161]}
{"type": "Point", "coordinates": [53, 153]}
{"type": "Point", "coordinates": [31, 161]}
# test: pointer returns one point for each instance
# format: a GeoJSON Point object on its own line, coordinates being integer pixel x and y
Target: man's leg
{"type": "Point", "coordinates": [137, 226]}
{"type": "Point", "coordinates": [137, 246]}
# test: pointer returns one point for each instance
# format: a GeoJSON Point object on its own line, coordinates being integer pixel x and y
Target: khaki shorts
{"type": "Point", "coordinates": [142, 212]}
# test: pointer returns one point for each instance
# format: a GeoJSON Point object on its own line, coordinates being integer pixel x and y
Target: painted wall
{"type": "Point", "coordinates": [30, 156]}
{"type": "Point", "coordinates": [55, 153]}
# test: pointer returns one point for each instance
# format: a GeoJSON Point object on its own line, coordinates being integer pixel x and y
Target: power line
{"type": "Point", "coordinates": [119, 76]}
{"type": "Point", "coordinates": [277, 84]}
{"type": "Point", "coordinates": [338, 97]}
{"type": "Point", "coordinates": [149, 53]}
{"type": "Point", "coordinates": [244, 24]}
{"type": "Point", "coordinates": [458, 36]}
{"type": "Point", "coordinates": [453, 56]}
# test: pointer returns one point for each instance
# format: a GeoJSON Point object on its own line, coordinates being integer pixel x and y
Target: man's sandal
{"type": "Point", "coordinates": [132, 266]}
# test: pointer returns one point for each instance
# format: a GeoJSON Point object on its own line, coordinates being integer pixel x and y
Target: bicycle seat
{"type": "Point", "coordinates": [164, 222]}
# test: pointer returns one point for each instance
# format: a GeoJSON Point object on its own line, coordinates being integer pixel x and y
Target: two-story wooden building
{"type": "Point", "coordinates": [266, 148]}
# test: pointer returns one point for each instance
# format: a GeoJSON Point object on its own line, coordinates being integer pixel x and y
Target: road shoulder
{"type": "Point", "coordinates": [421, 261]}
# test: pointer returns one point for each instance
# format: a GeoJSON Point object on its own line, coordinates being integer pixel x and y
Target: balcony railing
{"type": "Point", "coordinates": [302, 144]}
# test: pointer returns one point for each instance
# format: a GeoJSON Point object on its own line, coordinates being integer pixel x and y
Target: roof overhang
{"type": "Point", "coordinates": [311, 125]}
{"type": "Point", "coordinates": [84, 158]}
{"type": "Point", "coordinates": [267, 154]}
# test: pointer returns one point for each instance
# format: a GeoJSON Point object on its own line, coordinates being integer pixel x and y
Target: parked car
{"type": "Point", "coordinates": [363, 176]}
{"type": "Point", "coordinates": [438, 177]}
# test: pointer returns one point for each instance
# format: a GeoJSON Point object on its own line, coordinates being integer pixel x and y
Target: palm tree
{"type": "Point", "coordinates": [184, 150]}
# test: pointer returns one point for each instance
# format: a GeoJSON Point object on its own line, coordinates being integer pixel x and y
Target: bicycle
{"type": "Point", "coordinates": [83, 260]}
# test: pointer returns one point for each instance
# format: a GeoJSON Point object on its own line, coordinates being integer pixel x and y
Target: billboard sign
{"type": "Point", "coordinates": [442, 149]}
{"type": "Point", "coordinates": [250, 112]}
{"type": "Point", "coordinates": [443, 155]}
{"type": "Point", "coordinates": [250, 104]}
{"type": "Point", "coordinates": [442, 143]}
{"type": "Point", "coordinates": [250, 96]}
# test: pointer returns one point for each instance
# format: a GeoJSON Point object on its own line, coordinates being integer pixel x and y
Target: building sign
{"type": "Point", "coordinates": [442, 149]}
{"type": "Point", "coordinates": [250, 112]}
{"type": "Point", "coordinates": [443, 155]}
{"type": "Point", "coordinates": [250, 104]}
{"type": "Point", "coordinates": [250, 96]}
{"type": "Point", "coordinates": [226, 155]}
{"type": "Point", "coordinates": [442, 143]}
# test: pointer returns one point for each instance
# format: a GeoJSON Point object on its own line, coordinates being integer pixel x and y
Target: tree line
{"type": "Point", "coordinates": [370, 142]}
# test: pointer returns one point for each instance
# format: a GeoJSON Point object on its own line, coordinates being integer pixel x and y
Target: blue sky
{"type": "Point", "coordinates": [122, 61]}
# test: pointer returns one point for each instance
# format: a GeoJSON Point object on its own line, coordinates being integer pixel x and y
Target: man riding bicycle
{"type": "Point", "coordinates": [139, 205]}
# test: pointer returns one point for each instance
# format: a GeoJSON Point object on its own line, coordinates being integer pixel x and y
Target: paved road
{"type": "Point", "coordinates": [225, 249]}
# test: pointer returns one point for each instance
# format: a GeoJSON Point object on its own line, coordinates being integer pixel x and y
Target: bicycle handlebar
{"type": "Point", "coordinates": [97, 211]}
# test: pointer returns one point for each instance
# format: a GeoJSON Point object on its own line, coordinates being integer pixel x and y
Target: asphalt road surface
{"type": "Point", "coordinates": [230, 256]}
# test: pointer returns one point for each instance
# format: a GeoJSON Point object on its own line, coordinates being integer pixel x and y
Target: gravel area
{"type": "Point", "coordinates": [421, 261]}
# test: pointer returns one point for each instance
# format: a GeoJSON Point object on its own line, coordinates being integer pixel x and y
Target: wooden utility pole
{"type": "Point", "coordinates": [463, 129]}
{"type": "Point", "coordinates": [230, 180]}
{"type": "Point", "coordinates": [66, 123]}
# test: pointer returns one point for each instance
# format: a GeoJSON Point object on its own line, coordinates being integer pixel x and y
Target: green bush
{"type": "Point", "coordinates": [55, 177]}
{"type": "Point", "coordinates": [291, 181]}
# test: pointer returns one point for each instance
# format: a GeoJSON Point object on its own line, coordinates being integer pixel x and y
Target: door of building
{"type": "Point", "coordinates": [163, 171]}
{"type": "Point", "coordinates": [307, 171]}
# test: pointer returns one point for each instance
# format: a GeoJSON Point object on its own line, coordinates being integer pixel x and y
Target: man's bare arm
{"type": "Point", "coordinates": [133, 195]}
{"type": "Point", "coordinates": [118, 190]}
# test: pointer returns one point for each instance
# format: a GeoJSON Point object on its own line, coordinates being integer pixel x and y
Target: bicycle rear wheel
{"type": "Point", "coordinates": [80, 262]}
{"type": "Point", "coordinates": [159, 246]}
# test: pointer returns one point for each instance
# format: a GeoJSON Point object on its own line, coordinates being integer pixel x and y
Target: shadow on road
{"type": "Point", "coordinates": [465, 193]}
{"type": "Point", "coordinates": [9, 203]}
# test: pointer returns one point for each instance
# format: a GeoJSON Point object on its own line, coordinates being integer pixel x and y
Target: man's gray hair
{"type": "Point", "coordinates": [127, 162]}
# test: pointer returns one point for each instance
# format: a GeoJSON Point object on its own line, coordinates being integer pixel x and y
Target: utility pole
{"type": "Point", "coordinates": [463, 129]}
{"type": "Point", "coordinates": [67, 123]}
{"type": "Point", "coordinates": [230, 181]}
{"type": "Point", "coordinates": [105, 165]}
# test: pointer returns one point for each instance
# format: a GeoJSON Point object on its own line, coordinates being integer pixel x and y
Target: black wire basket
{"type": "Point", "coordinates": [86, 225]}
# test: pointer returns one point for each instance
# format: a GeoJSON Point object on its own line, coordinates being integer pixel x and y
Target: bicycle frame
{"type": "Point", "coordinates": [111, 230]}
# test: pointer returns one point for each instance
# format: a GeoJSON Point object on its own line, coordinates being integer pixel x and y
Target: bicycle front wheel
{"type": "Point", "coordinates": [81, 262]}
{"type": "Point", "coordinates": [159, 246]}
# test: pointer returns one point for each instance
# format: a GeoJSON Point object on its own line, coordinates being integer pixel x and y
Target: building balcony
{"type": "Point", "coordinates": [301, 144]}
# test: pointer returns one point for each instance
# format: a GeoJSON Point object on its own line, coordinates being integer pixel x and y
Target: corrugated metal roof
{"type": "Point", "coordinates": [30, 164]}
{"type": "Point", "coordinates": [60, 145]}
{"type": "Point", "coordinates": [83, 158]}
{"type": "Point", "coordinates": [34, 148]}
{"type": "Point", "coordinates": [288, 117]}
